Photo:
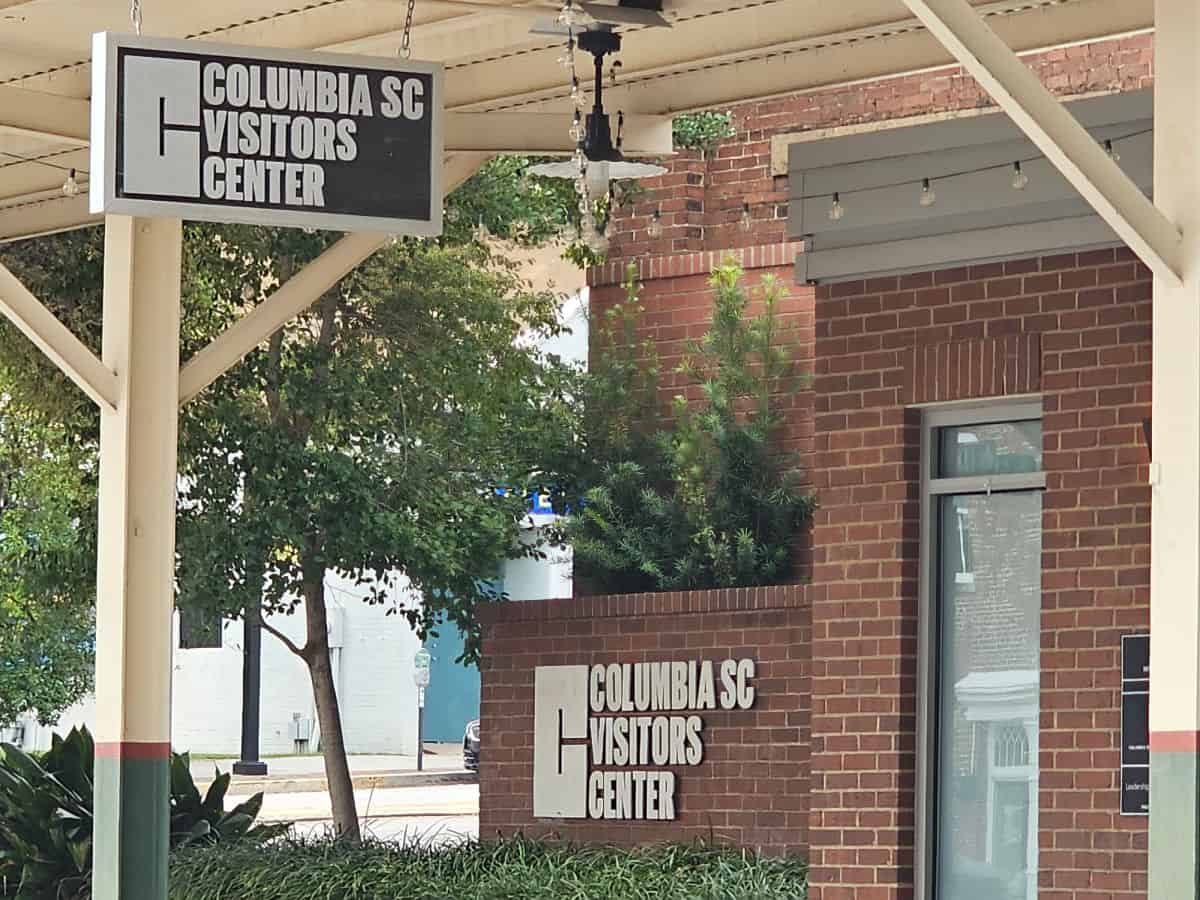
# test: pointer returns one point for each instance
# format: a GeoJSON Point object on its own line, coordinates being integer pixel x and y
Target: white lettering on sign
{"type": "Point", "coordinates": [251, 135]}
{"type": "Point", "coordinates": [598, 729]}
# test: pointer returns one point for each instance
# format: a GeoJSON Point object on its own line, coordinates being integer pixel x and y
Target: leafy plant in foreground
{"type": "Point", "coordinates": [46, 817]}
{"type": "Point", "coordinates": [512, 869]}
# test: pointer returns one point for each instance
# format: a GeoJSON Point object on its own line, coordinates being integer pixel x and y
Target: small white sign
{"type": "Point", "coordinates": [604, 734]}
{"type": "Point", "coordinates": [223, 133]}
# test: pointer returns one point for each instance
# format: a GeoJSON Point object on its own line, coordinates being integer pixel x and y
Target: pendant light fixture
{"type": "Point", "coordinates": [599, 161]}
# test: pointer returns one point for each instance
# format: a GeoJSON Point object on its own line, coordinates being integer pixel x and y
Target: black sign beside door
{"type": "Point", "coordinates": [1135, 725]}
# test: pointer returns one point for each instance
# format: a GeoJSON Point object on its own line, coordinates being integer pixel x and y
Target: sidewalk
{"type": "Point", "coordinates": [442, 764]}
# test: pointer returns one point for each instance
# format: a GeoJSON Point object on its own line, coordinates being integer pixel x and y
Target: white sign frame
{"type": "Point", "coordinates": [104, 126]}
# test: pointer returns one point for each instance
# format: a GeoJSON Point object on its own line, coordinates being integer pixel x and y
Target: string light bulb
{"type": "Point", "coordinates": [567, 59]}
{"type": "Point", "coordinates": [928, 194]}
{"type": "Point", "coordinates": [654, 229]}
{"type": "Point", "coordinates": [577, 131]}
{"type": "Point", "coordinates": [745, 223]}
{"type": "Point", "coordinates": [248, 292]}
{"type": "Point", "coordinates": [578, 97]}
{"type": "Point", "coordinates": [1019, 180]}
{"type": "Point", "coordinates": [1111, 151]}
{"type": "Point", "coordinates": [567, 15]}
{"type": "Point", "coordinates": [70, 187]}
{"type": "Point", "coordinates": [837, 212]}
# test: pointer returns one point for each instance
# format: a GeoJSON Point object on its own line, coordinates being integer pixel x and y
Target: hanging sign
{"type": "Point", "coordinates": [1135, 724]}
{"type": "Point", "coordinates": [606, 737]}
{"type": "Point", "coordinates": [195, 130]}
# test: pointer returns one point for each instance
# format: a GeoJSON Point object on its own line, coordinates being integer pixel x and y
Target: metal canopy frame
{"type": "Point", "coordinates": [505, 92]}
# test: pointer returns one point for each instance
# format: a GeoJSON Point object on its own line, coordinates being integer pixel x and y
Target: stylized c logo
{"type": "Point", "coordinates": [560, 711]}
{"type": "Point", "coordinates": [161, 127]}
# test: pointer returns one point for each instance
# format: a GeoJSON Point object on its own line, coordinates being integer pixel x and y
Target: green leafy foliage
{"type": "Point", "coordinates": [708, 498]}
{"type": "Point", "coordinates": [702, 130]}
{"type": "Point", "coordinates": [46, 817]}
{"type": "Point", "coordinates": [514, 869]}
{"type": "Point", "coordinates": [47, 566]}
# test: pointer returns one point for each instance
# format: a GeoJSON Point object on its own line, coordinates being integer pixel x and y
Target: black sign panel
{"type": "Point", "coordinates": [1135, 724]}
{"type": "Point", "coordinates": [247, 134]}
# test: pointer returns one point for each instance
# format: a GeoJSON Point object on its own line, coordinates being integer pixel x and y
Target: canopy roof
{"type": "Point", "coordinates": [717, 53]}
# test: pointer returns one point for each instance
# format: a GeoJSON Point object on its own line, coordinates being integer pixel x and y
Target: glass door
{"type": "Point", "coordinates": [984, 534]}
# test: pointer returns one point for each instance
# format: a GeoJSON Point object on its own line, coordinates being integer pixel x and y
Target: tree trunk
{"type": "Point", "coordinates": [333, 746]}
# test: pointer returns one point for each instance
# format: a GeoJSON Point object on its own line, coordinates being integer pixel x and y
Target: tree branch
{"type": "Point", "coordinates": [274, 357]}
{"type": "Point", "coordinates": [287, 641]}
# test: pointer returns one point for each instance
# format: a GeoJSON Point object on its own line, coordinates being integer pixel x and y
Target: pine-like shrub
{"type": "Point", "coordinates": [708, 496]}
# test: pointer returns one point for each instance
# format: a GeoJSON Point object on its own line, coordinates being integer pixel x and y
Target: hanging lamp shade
{"type": "Point", "coordinates": [605, 162]}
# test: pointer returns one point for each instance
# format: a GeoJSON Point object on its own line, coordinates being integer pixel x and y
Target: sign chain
{"type": "Point", "coordinates": [135, 16]}
{"type": "Point", "coordinates": [406, 40]}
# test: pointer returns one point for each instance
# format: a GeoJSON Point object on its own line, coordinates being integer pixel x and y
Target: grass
{"type": "Point", "coordinates": [513, 869]}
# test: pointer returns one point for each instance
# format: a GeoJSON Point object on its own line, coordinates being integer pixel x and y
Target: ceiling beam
{"type": "Point", "coordinates": [1056, 133]}
{"type": "Point", "coordinates": [33, 112]}
{"type": "Point", "coordinates": [532, 132]}
{"type": "Point", "coordinates": [764, 55]}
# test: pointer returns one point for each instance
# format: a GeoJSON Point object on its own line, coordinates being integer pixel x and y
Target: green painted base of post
{"type": "Point", "coordinates": [132, 783]}
{"type": "Point", "coordinates": [1174, 816]}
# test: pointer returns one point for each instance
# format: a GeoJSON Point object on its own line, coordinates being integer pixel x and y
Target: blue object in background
{"type": "Point", "coordinates": [452, 698]}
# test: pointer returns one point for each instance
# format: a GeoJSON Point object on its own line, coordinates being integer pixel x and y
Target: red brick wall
{"type": "Point", "coordinates": [1078, 328]}
{"type": "Point", "coordinates": [701, 198]}
{"type": "Point", "coordinates": [751, 789]}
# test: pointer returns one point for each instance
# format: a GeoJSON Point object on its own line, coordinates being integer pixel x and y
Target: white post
{"type": "Point", "coordinates": [135, 593]}
{"type": "Point", "coordinates": [1175, 470]}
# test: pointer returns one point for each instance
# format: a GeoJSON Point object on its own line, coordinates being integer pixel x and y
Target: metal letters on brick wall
{"type": "Point", "coordinates": [603, 734]}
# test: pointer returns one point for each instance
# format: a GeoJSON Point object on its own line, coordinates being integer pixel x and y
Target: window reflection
{"type": "Point", "coordinates": [1001, 448]}
{"type": "Point", "coordinates": [988, 679]}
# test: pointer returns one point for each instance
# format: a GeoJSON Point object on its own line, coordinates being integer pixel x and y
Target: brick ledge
{"type": "Point", "coordinates": [784, 596]}
{"type": "Point", "coordinates": [699, 262]}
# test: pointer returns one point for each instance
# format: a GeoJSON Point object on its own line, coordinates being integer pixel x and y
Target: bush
{"type": "Point", "coordinates": [46, 817]}
{"type": "Point", "coordinates": [711, 498]}
{"type": "Point", "coordinates": [513, 869]}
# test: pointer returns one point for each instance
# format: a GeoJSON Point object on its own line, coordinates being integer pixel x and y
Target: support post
{"type": "Point", "coordinates": [250, 764]}
{"type": "Point", "coordinates": [1175, 471]}
{"type": "Point", "coordinates": [135, 591]}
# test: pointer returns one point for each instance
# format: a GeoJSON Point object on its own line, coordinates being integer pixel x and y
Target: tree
{"type": "Point", "coordinates": [393, 428]}
{"type": "Point", "coordinates": [709, 496]}
{"type": "Point", "coordinates": [46, 622]}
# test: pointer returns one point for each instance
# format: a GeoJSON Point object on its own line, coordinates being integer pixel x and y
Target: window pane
{"type": "Point", "coordinates": [989, 601]}
{"type": "Point", "coordinates": [1003, 448]}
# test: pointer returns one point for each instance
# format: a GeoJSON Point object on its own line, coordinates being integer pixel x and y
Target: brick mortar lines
{"type": "Point", "coordinates": [616, 606]}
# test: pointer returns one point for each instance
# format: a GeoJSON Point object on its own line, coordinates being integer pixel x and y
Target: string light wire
{"type": "Point", "coordinates": [961, 173]}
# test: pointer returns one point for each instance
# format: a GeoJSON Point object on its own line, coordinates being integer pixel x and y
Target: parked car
{"type": "Point", "coordinates": [471, 746]}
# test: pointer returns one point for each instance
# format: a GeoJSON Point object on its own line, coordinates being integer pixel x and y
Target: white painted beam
{"type": "Point", "coordinates": [55, 340]}
{"type": "Point", "coordinates": [525, 132]}
{"type": "Point", "coordinates": [289, 300]}
{"type": "Point", "coordinates": [34, 112]}
{"type": "Point", "coordinates": [1052, 128]}
{"type": "Point", "coordinates": [500, 132]}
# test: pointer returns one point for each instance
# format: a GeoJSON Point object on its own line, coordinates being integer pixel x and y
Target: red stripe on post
{"type": "Point", "coordinates": [1174, 741]}
{"type": "Point", "coordinates": [133, 750]}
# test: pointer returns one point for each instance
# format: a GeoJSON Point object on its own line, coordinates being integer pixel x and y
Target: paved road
{"type": "Point", "coordinates": [434, 814]}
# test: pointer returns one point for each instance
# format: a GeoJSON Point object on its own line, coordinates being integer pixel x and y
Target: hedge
{"type": "Point", "coordinates": [514, 869]}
